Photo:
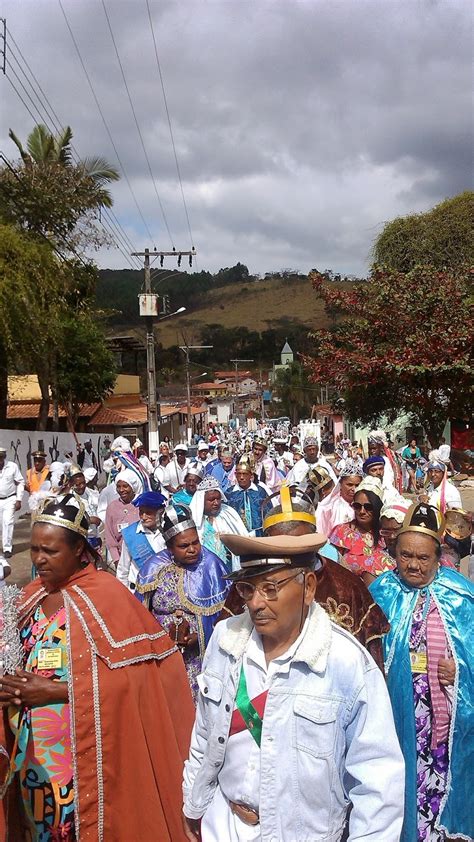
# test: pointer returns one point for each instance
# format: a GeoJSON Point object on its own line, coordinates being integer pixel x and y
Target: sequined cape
{"type": "Point", "coordinates": [203, 587]}
{"type": "Point", "coordinates": [131, 714]}
{"type": "Point", "coordinates": [454, 596]}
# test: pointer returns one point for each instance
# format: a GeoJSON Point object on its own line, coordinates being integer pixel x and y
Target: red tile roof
{"type": "Point", "coordinates": [30, 409]}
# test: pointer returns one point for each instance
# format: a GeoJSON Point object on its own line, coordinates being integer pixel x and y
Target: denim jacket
{"type": "Point", "coordinates": [328, 738]}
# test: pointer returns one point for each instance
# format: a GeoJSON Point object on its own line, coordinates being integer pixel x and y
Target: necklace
{"type": "Point", "coordinates": [416, 639]}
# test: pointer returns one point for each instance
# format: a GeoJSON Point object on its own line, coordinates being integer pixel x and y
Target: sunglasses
{"type": "Point", "coordinates": [368, 507]}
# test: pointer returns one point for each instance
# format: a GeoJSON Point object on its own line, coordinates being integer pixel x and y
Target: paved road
{"type": "Point", "coordinates": [21, 562]}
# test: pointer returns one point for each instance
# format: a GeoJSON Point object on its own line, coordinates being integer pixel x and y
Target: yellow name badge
{"type": "Point", "coordinates": [50, 659]}
{"type": "Point", "coordinates": [418, 661]}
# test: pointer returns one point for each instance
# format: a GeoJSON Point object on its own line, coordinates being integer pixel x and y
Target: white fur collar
{"type": "Point", "coordinates": [313, 649]}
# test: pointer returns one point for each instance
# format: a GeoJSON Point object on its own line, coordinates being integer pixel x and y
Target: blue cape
{"type": "Point", "coordinates": [454, 597]}
{"type": "Point", "coordinates": [255, 498]}
{"type": "Point", "coordinates": [204, 585]}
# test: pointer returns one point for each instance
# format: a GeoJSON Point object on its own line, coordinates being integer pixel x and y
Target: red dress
{"type": "Point", "coordinates": [359, 553]}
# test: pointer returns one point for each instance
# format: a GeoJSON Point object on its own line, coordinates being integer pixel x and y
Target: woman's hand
{"type": "Point", "coordinates": [28, 688]}
{"type": "Point", "coordinates": [192, 828]}
{"type": "Point", "coordinates": [446, 671]}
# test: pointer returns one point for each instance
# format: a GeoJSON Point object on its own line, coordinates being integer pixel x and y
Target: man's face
{"type": "Point", "coordinates": [259, 451]}
{"type": "Point", "coordinates": [281, 618]}
{"type": "Point", "coordinates": [181, 457]}
{"type": "Point", "coordinates": [203, 454]}
{"type": "Point", "coordinates": [325, 490]}
{"type": "Point", "coordinates": [376, 471]}
{"type": "Point", "coordinates": [88, 446]}
{"type": "Point", "coordinates": [375, 449]}
{"type": "Point", "coordinates": [227, 463]}
{"type": "Point", "coordinates": [3, 456]}
{"type": "Point", "coordinates": [150, 517]}
{"type": "Point", "coordinates": [212, 503]}
{"type": "Point", "coordinates": [39, 462]}
{"type": "Point", "coordinates": [436, 476]}
{"type": "Point", "coordinates": [243, 477]}
{"type": "Point", "coordinates": [78, 484]}
{"type": "Point", "coordinates": [311, 453]}
{"type": "Point", "coordinates": [280, 448]}
{"type": "Point", "coordinates": [416, 557]}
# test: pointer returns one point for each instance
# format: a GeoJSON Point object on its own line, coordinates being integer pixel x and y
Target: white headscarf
{"type": "Point", "coordinates": [131, 478]}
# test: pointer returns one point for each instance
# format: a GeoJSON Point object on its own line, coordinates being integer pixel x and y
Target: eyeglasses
{"type": "Point", "coordinates": [388, 533]}
{"type": "Point", "coordinates": [367, 506]}
{"type": "Point", "coordinates": [269, 590]}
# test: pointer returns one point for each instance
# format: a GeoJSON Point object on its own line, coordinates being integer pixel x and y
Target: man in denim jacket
{"type": "Point", "coordinates": [294, 721]}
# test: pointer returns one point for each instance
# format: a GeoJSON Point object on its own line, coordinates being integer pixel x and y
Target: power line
{"type": "Point", "coordinates": [169, 121]}
{"type": "Point", "coordinates": [56, 126]}
{"type": "Point", "coordinates": [54, 117]}
{"type": "Point", "coordinates": [105, 121]}
{"type": "Point", "coordinates": [136, 122]}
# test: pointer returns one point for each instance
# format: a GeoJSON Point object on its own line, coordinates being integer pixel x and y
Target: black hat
{"type": "Point", "coordinates": [68, 511]}
{"type": "Point", "coordinates": [423, 518]}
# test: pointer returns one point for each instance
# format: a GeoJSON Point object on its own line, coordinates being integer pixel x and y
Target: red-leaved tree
{"type": "Point", "coordinates": [400, 343]}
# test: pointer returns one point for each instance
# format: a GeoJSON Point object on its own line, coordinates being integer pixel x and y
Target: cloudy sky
{"type": "Point", "coordinates": [300, 127]}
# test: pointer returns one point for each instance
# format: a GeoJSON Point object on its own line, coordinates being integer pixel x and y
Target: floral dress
{"type": "Point", "coordinates": [431, 764]}
{"type": "Point", "coordinates": [360, 555]}
{"type": "Point", "coordinates": [42, 757]}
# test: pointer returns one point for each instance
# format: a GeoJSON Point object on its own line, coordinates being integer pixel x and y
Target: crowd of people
{"type": "Point", "coordinates": [262, 642]}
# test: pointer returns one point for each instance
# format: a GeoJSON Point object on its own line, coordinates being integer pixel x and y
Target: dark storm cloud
{"type": "Point", "coordinates": [300, 126]}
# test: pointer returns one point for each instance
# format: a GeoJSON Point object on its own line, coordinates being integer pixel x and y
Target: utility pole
{"type": "Point", "coordinates": [186, 349]}
{"type": "Point", "coordinates": [236, 363]}
{"type": "Point", "coordinates": [149, 308]}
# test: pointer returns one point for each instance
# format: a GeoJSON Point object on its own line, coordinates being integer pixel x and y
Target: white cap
{"type": "Point", "coordinates": [181, 446]}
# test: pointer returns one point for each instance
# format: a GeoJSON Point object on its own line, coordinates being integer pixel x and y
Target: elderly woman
{"type": "Point", "coordinates": [120, 512]}
{"type": "Point", "coordinates": [363, 551]}
{"type": "Point", "coordinates": [336, 507]}
{"type": "Point", "coordinates": [429, 652]}
{"type": "Point", "coordinates": [193, 477]}
{"type": "Point", "coordinates": [212, 515]}
{"type": "Point", "coordinates": [184, 588]}
{"type": "Point", "coordinates": [95, 665]}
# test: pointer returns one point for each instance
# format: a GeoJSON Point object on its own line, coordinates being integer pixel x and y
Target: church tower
{"type": "Point", "coordinates": [286, 354]}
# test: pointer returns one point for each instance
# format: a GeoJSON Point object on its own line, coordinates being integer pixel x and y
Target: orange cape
{"type": "Point", "coordinates": [131, 714]}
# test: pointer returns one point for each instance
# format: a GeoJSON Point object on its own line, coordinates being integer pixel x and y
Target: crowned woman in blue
{"type": "Point", "coordinates": [184, 588]}
{"type": "Point", "coordinates": [429, 653]}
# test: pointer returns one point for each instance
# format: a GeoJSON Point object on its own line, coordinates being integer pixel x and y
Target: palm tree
{"type": "Point", "coordinates": [43, 148]}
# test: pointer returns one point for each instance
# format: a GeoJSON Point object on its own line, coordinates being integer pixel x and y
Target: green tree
{"type": "Point", "coordinates": [293, 388]}
{"type": "Point", "coordinates": [47, 326]}
{"type": "Point", "coordinates": [441, 238]}
{"type": "Point", "coordinates": [85, 368]}
{"type": "Point", "coordinates": [404, 344]}
{"type": "Point", "coordinates": [49, 194]}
